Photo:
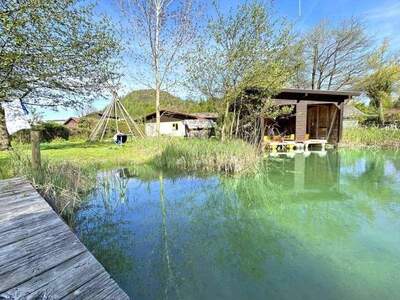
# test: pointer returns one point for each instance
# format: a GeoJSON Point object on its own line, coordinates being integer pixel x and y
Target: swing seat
{"type": "Point", "coordinates": [120, 138]}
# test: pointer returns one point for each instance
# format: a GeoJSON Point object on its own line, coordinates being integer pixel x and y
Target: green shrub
{"type": "Point", "coordinates": [48, 132]}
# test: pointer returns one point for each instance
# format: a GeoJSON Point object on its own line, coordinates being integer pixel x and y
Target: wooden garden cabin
{"type": "Point", "coordinates": [181, 124]}
{"type": "Point", "coordinates": [316, 114]}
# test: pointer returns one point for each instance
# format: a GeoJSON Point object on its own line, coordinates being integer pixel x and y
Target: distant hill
{"type": "Point", "coordinates": [142, 102]}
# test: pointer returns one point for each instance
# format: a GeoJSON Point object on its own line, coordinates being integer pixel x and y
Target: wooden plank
{"type": "Point", "coordinates": [23, 209]}
{"type": "Point", "coordinates": [42, 259]}
{"type": "Point", "coordinates": [10, 181]}
{"type": "Point", "coordinates": [90, 289]}
{"type": "Point", "coordinates": [101, 287]}
{"type": "Point", "coordinates": [20, 220]}
{"type": "Point", "coordinates": [40, 256]}
{"type": "Point", "coordinates": [60, 281]}
{"type": "Point", "coordinates": [21, 190]}
{"type": "Point", "coordinates": [18, 200]}
{"type": "Point", "coordinates": [31, 246]}
{"type": "Point", "coordinates": [18, 231]}
{"type": "Point", "coordinates": [13, 186]}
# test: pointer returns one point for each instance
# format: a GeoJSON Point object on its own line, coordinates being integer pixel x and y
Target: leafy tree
{"type": "Point", "coordinates": [334, 56]}
{"type": "Point", "coordinates": [235, 49]}
{"type": "Point", "coordinates": [383, 80]}
{"type": "Point", "coordinates": [53, 54]}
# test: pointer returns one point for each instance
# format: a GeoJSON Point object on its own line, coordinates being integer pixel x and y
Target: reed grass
{"type": "Point", "coordinates": [208, 155]}
{"type": "Point", "coordinates": [62, 184]}
{"type": "Point", "coordinates": [371, 137]}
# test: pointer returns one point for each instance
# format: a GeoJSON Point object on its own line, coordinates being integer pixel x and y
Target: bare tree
{"type": "Point", "coordinates": [163, 31]}
{"type": "Point", "coordinates": [334, 56]}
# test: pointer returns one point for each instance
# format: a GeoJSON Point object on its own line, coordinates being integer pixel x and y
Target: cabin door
{"type": "Point", "coordinates": [312, 121]}
{"type": "Point", "coordinates": [318, 120]}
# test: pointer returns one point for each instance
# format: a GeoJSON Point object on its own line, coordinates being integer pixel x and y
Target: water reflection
{"type": "Point", "coordinates": [304, 227]}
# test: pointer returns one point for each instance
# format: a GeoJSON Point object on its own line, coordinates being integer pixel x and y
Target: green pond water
{"type": "Point", "coordinates": [300, 228]}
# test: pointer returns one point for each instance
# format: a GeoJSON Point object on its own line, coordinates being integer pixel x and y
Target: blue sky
{"type": "Point", "coordinates": [381, 18]}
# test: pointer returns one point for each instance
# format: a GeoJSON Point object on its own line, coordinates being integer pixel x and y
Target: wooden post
{"type": "Point", "coordinates": [35, 140]}
{"type": "Point", "coordinates": [340, 123]}
{"type": "Point", "coordinates": [301, 121]}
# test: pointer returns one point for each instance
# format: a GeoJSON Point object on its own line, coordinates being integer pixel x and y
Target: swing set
{"type": "Point", "coordinates": [115, 111]}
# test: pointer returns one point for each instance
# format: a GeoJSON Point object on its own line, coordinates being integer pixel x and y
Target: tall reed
{"type": "Point", "coordinates": [61, 184]}
{"type": "Point", "coordinates": [374, 137]}
{"type": "Point", "coordinates": [207, 155]}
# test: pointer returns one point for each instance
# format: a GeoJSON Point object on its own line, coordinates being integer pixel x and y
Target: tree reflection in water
{"type": "Point", "coordinates": [298, 228]}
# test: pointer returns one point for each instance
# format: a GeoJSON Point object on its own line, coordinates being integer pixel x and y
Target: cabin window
{"type": "Point", "coordinates": [175, 126]}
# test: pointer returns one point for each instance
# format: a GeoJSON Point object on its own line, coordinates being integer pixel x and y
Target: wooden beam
{"type": "Point", "coordinates": [301, 121]}
{"type": "Point", "coordinates": [332, 123]}
{"type": "Point", "coordinates": [340, 122]}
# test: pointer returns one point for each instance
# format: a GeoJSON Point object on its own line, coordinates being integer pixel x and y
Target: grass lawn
{"type": "Point", "coordinates": [165, 150]}
{"type": "Point", "coordinates": [100, 153]}
{"type": "Point", "coordinates": [103, 153]}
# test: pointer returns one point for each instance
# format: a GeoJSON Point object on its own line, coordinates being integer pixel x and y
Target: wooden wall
{"type": "Point", "coordinates": [302, 117]}
{"type": "Point", "coordinates": [301, 121]}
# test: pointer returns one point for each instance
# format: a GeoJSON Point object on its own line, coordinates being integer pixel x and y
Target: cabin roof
{"type": "Point", "coordinates": [315, 95]}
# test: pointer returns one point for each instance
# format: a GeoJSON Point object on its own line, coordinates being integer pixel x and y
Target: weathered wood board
{"type": "Point", "coordinates": [40, 257]}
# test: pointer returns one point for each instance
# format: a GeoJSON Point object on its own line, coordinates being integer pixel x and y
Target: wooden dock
{"type": "Point", "coordinates": [40, 257]}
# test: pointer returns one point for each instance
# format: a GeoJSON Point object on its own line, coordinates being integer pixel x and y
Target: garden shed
{"type": "Point", "coordinates": [315, 114]}
{"type": "Point", "coordinates": [181, 124]}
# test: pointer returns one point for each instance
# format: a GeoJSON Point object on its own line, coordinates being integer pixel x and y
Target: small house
{"type": "Point", "coordinates": [181, 124]}
{"type": "Point", "coordinates": [351, 116]}
{"type": "Point", "coordinates": [315, 115]}
{"type": "Point", "coordinates": [71, 123]}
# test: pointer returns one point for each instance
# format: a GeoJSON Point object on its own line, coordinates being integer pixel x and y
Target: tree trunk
{"type": "Point", "coordinates": [381, 113]}
{"type": "Point", "coordinates": [4, 136]}
{"type": "Point", "coordinates": [158, 118]}
{"type": "Point", "coordinates": [314, 68]}
{"type": "Point", "coordinates": [223, 135]}
{"type": "Point", "coordinates": [156, 55]}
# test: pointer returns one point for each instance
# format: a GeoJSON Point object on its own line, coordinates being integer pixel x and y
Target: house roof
{"type": "Point", "coordinates": [71, 119]}
{"type": "Point", "coordinates": [206, 115]}
{"type": "Point", "coordinates": [351, 112]}
{"type": "Point", "coordinates": [393, 111]}
{"type": "Point", "coordinates": [199, 123]}
{"type": "Point", "coordinates": [164, 112]}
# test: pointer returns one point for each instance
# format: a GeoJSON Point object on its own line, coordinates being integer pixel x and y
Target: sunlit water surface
{"type": "Point", "coordinates": [301, 228]}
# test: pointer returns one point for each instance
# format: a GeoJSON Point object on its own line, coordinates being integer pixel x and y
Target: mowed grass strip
{"type": "Point", "coordinates": [166, 152]}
